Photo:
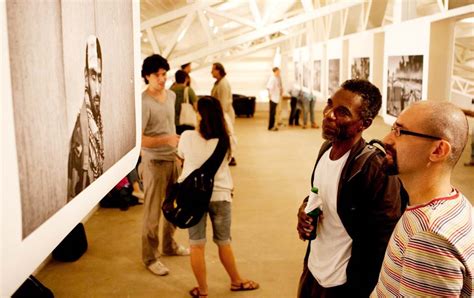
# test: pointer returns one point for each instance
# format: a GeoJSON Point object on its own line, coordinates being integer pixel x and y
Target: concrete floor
{"type": "Point", "coordinates": [271, 179]}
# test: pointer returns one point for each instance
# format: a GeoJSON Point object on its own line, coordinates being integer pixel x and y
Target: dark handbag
{"type": "Point", "coordinates": [73, 246]}
{"type": "Point", "coordinates": [188, 201]}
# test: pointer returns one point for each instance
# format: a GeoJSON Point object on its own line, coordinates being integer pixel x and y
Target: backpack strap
{"type": "Point", "coordinates": [371, 148]}
{"type": "Point", "coordinates": [325, 147]}
{"type": "Point", "coordinates": [186, 95]}
{"type": "Point", "coordinates": [213, 163]}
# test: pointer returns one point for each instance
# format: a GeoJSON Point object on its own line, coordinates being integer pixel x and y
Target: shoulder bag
{"type": "Point", "coordinates": [187, 116]}
{"type": "Point", "coordinates": [188, 201]}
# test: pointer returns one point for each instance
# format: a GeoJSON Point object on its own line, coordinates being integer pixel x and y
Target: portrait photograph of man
{"type": "Point", "coordinates": [73, 109]}
{"type": "Point", "coordinates": [86, 155]}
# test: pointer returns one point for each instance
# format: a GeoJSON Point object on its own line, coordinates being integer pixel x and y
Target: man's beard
{"type": "Point", "coordinates": [95, 106]}
{"type": "Point", "coordinates": [390, 164]}
{"type": "Point", "coordinates": [340, 133]}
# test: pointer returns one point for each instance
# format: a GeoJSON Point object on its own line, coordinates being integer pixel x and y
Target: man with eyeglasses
{"type": "Point", "coordinates": [431, 250]}
{"type": "Point", "coordinates": [361, 204]}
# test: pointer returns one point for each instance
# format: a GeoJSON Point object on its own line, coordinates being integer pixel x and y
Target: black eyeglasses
{"type": "Point", "coordinates": [397, 131]}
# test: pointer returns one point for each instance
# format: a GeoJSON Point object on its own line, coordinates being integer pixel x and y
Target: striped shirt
{"type": "Point", "coordinates": [431, 251]}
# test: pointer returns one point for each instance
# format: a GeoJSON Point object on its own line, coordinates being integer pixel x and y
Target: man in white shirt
{"type": "Point", "coordinates": [275, 92]}
{"type": "Point", "coordinates": [360, 202]}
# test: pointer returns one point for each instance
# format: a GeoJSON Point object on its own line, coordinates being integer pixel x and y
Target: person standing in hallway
{"type": "Point", "coordinates": [195, 147]}
{"type": "Point", "coordinates": [361, 204]}
{"type": "Point", "coordinates": [187, 69]}
{"type": "Point", "coordinates": [431, 250]}
{"type": "Point", "coordinates": [183, 92]}
{"type": "Point", "coordinates": [159, 165]}
{"type": "Point", "coordinates": [309, 102]}
{"type": "Point", "coordinates": [221, 90]}
{"type": "Point", "coordinates": [470, 163]}
{"type": "Point", "coordinates": [275, 93]}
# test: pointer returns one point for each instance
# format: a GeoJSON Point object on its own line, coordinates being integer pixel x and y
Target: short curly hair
{"type": "Point", "coordinates": [152, 64]}
{"type": "Point", "coordinates": [371, 97]}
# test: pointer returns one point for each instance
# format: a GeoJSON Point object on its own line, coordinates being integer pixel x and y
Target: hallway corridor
{"type": "Point", "coordinates": [271, 178]}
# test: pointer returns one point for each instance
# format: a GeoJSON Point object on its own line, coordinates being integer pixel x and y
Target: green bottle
{"type": "Point", "coordinates": [315, 203]}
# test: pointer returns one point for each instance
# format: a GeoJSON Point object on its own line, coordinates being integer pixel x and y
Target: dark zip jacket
{"type": "Point", "coordinates": [369, 204]}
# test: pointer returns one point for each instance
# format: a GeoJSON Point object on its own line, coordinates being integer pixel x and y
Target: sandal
{"type": "Point", "coordinates": [248, 285]}
{"type": "Point", "coordinates": [194, 292]}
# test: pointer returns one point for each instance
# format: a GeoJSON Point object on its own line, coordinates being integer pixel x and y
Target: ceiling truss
{"type": "Point", "coordinates": [295, 23]}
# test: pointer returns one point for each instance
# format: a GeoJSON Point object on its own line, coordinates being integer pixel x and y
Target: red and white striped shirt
{"type": "Point", "coordinates": [431, 251]}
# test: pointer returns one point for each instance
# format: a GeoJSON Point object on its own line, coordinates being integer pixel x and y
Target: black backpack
{"type": "Point", "coordinates": [188, 201]}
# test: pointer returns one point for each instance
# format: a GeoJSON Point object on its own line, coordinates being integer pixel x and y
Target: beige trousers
{"type": "Point", "coordinates": [158, 176]}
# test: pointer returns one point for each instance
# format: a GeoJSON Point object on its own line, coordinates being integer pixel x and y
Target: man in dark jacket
{"type": "Point", "coordinates": [360, 203]}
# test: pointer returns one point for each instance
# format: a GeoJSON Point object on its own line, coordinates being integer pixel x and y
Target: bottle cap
{"type": "Point", "coordinates": [314, 189]}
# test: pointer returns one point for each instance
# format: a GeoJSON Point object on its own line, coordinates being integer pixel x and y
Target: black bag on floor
{"type": "Point", "coordinates": [187, 201]}
{"type": "Point", "coordinates": [32, 288]}
{"type": "Point", "coordinates": [243, 105]}
{"type": "Point", "coordinates": [73, 246]}
{"type": "Point", "coordinates": [119, 198]}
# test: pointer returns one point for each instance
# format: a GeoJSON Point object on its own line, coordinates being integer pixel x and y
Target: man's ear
{"type": "Point", "coordinates": [367, 122]}
{"type": "Point", "coordinates": [441, 151]}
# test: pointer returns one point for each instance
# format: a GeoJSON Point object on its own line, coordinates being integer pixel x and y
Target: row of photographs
{"type": "Point", "coordinates": [404, 78]}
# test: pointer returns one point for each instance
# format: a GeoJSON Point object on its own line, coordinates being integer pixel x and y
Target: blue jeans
{"type": "Point", "coordinates": [220, 213]}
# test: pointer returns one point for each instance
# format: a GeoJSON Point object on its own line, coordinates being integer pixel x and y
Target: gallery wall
{"type": "Point", "coordinates": [247, 75]}
{"type": "Point", "coordinates": [397, 59]}
{"type": "Point", "coordinates": [405, 40]}
{"type": "Point", "coordinates": [43, 79]}
{"type": "Point", "coordinates": [360, 46]}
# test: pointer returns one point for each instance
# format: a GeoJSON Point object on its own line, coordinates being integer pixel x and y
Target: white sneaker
{"type": "Point", "coordinates": [180, 251]}
{"type": "Point", "coordinates": [139, 195]}
{"type": "Point", "coordinates": [158, 268]}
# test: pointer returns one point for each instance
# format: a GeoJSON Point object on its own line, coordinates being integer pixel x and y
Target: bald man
{"type": "Point", "coordinates": [431, 250]}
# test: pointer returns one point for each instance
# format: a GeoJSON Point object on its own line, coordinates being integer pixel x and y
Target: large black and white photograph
{"type": "Point", "coordinates": [360, 68]}
{"type": "Point", "coordinates": [404, 85]}
{"type": "Point", "coordinates": [333, 75]}
{"type": "Point", "coordinates": [317, 75]}
{"type": "Point", "coordinates": [74, 110]}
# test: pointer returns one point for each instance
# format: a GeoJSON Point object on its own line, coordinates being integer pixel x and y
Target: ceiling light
{"type": "Point", "coordinates": [230, 25]}
{"type": "Point", "coordinates": [229, 5]}
{"type": "Point", "coordinates": [467, 20]}
{"type": "Point", "coordinates": [181, 35]}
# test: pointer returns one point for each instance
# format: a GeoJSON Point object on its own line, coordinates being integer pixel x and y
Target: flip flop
{"type": "Point", "coordinates": [194, 292]}
{"type": "Point", "coordinates": [248, 285]}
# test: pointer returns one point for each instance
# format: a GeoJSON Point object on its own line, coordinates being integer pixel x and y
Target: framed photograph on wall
{"type": "Point", "coordinates": [317, 75]}
{"type": "Point", "coordinates": [65, 98]}
{"type": "Point", "coordinates": [333, 75]}
{"type": "Point", "coordinates": [298, 76]}
{"type": "Point", "coordinates": [69, 120]}
{"type": "Point", "coordinates": [405, 80]}
{"type": "Point", "coordinates": [360, 68]}
{"type": "Point", "coordinates": [306, 75]}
